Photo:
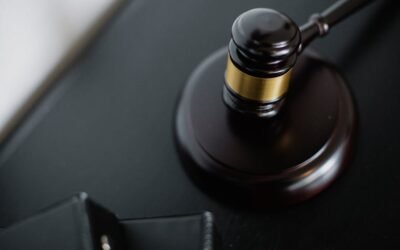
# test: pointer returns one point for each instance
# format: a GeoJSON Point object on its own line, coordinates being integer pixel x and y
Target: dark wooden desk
{"type": "Point", "coordinates": [107, 129]}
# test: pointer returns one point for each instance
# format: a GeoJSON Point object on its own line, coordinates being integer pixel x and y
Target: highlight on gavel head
{"type": "Point", "coordinates": [261, 53]}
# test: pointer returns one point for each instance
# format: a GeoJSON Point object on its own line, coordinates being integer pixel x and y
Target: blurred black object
{"type": "Point", "coordinates": [79, 223]}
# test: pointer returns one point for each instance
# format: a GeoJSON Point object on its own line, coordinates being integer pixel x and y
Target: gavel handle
{"type": "Point", "coordinates": [320, 24]}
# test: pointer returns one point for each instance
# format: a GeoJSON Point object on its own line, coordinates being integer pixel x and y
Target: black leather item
{"type": "Point", "coordinates": [191, 232]}
{"type": "Point", "coordinates": [80, 224]}
{"type": "Point", "coordinates": [74, 224]}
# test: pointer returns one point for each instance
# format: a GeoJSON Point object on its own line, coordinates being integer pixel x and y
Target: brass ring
{"type": "Point", "coordinates": [256, 88]}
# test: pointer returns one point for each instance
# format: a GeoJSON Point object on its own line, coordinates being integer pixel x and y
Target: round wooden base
{"type": "Point", "coordinates": [288, 158]}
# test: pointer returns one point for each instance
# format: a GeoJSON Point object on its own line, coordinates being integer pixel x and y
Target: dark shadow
{"type": "Point", "coordinates": [377, 25]}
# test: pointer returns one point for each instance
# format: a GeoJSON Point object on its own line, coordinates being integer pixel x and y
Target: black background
{"type": "Point", "coordinates": [107, 128]}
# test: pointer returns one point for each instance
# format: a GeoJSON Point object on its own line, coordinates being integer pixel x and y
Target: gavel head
{"type": "Point", "coordinates": [262, 51]}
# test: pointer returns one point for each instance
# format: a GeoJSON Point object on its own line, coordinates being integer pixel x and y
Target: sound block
{"type": "Point", "coordinates": [285, 159]}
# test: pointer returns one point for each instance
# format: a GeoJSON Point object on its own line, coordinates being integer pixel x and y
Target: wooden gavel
{"type": "Point", "coordinates": [267, 115]}
{"type": "Point", "coordinates": [263, 50]}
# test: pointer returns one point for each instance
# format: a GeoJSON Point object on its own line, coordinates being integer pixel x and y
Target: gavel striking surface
{"type": "Point", "coordinates": [288, 158]}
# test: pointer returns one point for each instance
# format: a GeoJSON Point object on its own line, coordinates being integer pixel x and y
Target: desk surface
{"type": "Point", "coordinates": [107, 128]}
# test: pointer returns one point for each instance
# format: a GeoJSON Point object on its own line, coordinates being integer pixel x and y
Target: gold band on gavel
{"type": "Point", "coordinates": [256, 88]}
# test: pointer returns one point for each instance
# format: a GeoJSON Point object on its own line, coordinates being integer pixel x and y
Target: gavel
{"type": "Point", "coordinates": [266, 115]}
{"type": "Point", "coordinates": [263, 50]}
